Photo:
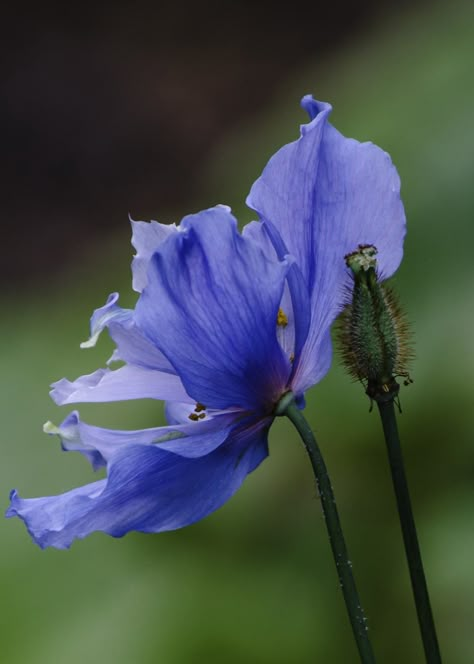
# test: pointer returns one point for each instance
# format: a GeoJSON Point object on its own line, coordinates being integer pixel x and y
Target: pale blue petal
{"type": "Point", "coordinates": [128, 382]}
{"type": "Point", "coordinates": [99, 445]}
{"type": "Point", "coordinates": [179, 413]}
{"type": "Point", "coordinates": [286, 192]}
{"type": "Point", "coordinates": [146, 238]}
{"type": "Point", "coordinates": [211, 307]}
{"type": "Point", "coordinates": [315, 361]}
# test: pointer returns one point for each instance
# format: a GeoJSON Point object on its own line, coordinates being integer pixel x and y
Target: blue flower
{"type": "Point", "coordinates": [225, 325]}
{"type": "Point", "coordinates": [324, 195]}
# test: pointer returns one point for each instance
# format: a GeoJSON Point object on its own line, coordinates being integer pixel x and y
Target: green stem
{"type": "Point", "coordinates": [410, 538]}
{"type": "Point", "coordinates": [336, 538]}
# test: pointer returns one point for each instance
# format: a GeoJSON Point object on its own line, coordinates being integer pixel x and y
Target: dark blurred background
{"type": "Point", "coordinates": [160, 110]}
{"type": "Point", "coordinates": [114, 107]}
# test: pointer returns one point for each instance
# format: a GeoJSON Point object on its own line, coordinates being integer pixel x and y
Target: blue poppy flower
{"type": "Point", "coordinates": [322, 196]}
{"type": "Point", "coordinates": [225, 325]}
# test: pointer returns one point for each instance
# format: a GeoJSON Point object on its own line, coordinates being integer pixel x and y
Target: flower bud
{"type": "Point", "coordinates": [374, 333]}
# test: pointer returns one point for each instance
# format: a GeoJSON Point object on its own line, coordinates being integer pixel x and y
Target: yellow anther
{"type": "Point", "coordinates": [282, 318]}
{"type": "Point", "coordinates": [201, 416]}
{"type": "Point", "coordinates": [193, 417]}
{"type": "Point", "coordinates": [199, 407]}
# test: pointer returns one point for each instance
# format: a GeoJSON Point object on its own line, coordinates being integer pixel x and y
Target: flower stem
{"type": "Point", "coordinates": [336, 537]}
{"type": "Point", "coordinates": [410, 538]}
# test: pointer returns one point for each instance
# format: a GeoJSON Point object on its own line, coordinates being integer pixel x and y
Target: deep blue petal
{"type": "Point", "coordinates": [211, 307]}
{"type": "Point", "coordinates": [326, 194]}
{"type": "Point", "coordinates": [147, 489]}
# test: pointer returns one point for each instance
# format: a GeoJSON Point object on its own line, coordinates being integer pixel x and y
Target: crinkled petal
{"type": "Point", "coordinates": [71, 441]}
{"type": "Point", "coordinates": [132, 346]}
{"type": "Point", "coordinates": [46, 518]}
{"type": "Point", "coordinates": [326, 194]}
{"type": "Point", "coordinates": [147, 489]}
{"type": "Point", "coordinates": [211, 306]}
{"type": "Point", "coordinates": [146, 238]}
{"type": "Point", "coordinates": [189, 438]}
{"type": "Point", "coordinates": [101, 318]}
{"type": "Point", "coordinates": [127, 382]}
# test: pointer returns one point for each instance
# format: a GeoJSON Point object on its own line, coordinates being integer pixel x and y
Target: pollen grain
{"type": "Point", "coordinates": [282, 318]}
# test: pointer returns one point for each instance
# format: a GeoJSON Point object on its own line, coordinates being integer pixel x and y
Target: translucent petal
{"type": "Point", "coordinates": [132, 346]}
{"type": "Point", "coordinates": [146, 238]}
{"type": "Point", "coordinates": [189, 438]}
{"type": "Point", "coordinates": [128, 382]}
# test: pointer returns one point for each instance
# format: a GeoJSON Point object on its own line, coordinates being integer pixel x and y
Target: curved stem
{"type": "Point", "coordinates": [410, 538]}
{"type": "Point", "coordinates": [336, 537]}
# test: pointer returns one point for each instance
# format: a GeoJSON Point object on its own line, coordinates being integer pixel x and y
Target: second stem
{"type": "Point", "coordinates": [410, 538]}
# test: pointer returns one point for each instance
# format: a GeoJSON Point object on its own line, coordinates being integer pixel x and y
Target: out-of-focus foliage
{"type": "Point", "coordinates": [255, 581]}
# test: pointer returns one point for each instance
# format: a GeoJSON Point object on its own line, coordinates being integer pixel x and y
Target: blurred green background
{"type": "Point", "coordinates": [255, 581]}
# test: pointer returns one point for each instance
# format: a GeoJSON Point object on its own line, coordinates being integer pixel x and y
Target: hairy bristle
{"type": "Point", "coordinates": [405, 351]}
{"type": "Point", "coordinates": [358, 346]}
{"type": "Point", "coordinates": [344, 342]}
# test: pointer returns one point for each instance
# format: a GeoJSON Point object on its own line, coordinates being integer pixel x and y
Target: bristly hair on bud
{"type": "Point", "coordinates": [373, 332]}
